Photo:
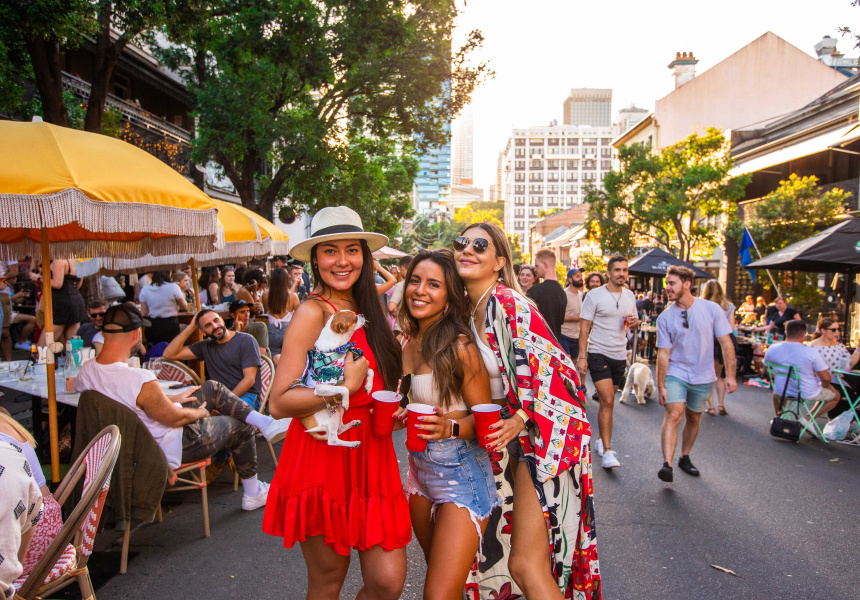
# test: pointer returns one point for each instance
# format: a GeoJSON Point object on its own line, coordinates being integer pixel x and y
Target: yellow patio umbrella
{"type": "Point", "coordinates": [246, 236]}
{"type": "Point", "coordinates": [65, 192]}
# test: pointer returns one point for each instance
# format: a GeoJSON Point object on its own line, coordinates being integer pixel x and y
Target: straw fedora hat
{"type": "Point", "coordinates": [336, 223]}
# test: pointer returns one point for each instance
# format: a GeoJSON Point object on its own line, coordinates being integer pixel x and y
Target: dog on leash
{"type": "Point", "coordinates": [640, 381]}
{"type": "Point", "coordinates": [324, 374]}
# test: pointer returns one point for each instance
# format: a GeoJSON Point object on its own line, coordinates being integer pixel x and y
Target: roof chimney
{"type": "Point", "coordinates": [684, 66]}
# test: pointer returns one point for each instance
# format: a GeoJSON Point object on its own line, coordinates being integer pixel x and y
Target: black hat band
{"type": "Point", "coordinates": [337, 229]}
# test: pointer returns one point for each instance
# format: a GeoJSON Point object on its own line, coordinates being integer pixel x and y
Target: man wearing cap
{"type": "Point", "coordinates": [570, 328]}
{"type": "Point", "coordinates": [240, 312]}
{"type": "Point", "coordinates": [180, 424]}
{"type": "Point", "coordinates": [232, 358]}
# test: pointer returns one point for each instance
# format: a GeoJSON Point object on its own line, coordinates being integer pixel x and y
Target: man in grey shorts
{"type": "Point", "coordinates": [608, 312]}
{"type": "Point", "coordinates": [685, 365]}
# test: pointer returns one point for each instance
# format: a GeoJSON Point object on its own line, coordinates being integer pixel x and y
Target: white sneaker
{"type": "Point", "coordinates": [610, 461]}
{"type": "Point", "coordinates": [23, 346]}
{"type": "Point", "coordinates": [276, 430]}
{"type": "Point", "coordinates": [255, 502]}
{"type": "Point", "coordinates": [598, 447]}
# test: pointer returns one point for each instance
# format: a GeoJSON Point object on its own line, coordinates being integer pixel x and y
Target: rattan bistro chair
{"type": "Point", "coordinates": [173, 370]}
{"type": "Point", "coordinates": [267, 377]}
{"type": "Point", "coordinates": [65, 560]}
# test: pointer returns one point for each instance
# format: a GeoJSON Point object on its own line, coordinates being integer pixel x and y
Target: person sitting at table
{"type": "Point", "coordinates": [95, 311]}
{"type": "Point", "coordinates": [240, 312]}
{"type": "Point", "coordinates": [815, 381]}
{"type": "Point", "coordinates": [837, 356]}
{"type": "Point", "coordinates": [252, 290]}
{"type": "Point", "coordinates": [232, 358]}
{"type": "Point", "coordinates": [760, 308]}
{"type": "Point", "coordinates": [781, 314]}
{"type": "Point", "coordinates": [228, 284]}
{"type": "Point", "coordinates": [161, 301]}
{"type": "Point", "coordinates": [748, 306]}
{"type": "Point", "coordinates": [210, 286]}
{"type": "Point", "coordinates": [183, 280]}
{"type": "Point", "coordinates": [181, 424]}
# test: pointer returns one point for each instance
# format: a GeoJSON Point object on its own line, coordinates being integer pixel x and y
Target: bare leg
{"type": "Point", "coordinates": [455, 543]}
{"type": "Point", "coordinates": [690, 432]}
{"type": "Point", "coordinates": [326, 569]}
{"type": "Point", "coordinates": [529, 561]}
{"type": "Point", "coordinates": [6, 340]}
{"type": "Point", "coordinates": [29, 322]}
{"type": "Point", "coordinates": [422, 525]}
{"type": "Point", "coordinates": [384, 573]}
{"type": "Point", "coordinates": [669, 430]}
{"type": "Point", "coordinates": [606, 392]}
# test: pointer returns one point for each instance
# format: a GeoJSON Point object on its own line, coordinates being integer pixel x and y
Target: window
{"type": "Point", "coordinates": [519, 176]}
{"type": "Point", "coordinates": [589, 141]}
{"type": "Point", "coordinates": [536, 176]}
{"type": "Point", "coordinates": [589, 176]}
{"type": "Point", "coordinates": [519, 212]}
{"type": "Point", "coordinates": [518, 225]}
{"type": "Point", "coordinates": [520, 152]}
{"type": "Point", "coordinates": [553, 150]}
{"type": "Point", "coordinates": [552, 164]}
{"type": "Point", "coordinates": [573, 141]}
{"type": "Point", "coordinates": [573, 165]}
{"type": "Point", "coordinates": [572, 176]}
{"type": "Point", "coordinates": [536, 189]}
{"type": "Point", "coordinates": [536, 141]}
{"type": "Point", "coordinates": [533, 151]}
{"type": "Point", "coordinates": [537, 164]}
{"type": "Point", "coordinates": [519, 141]}
{"type": "Point", "coordinates": [519, 189]}
{"type": "Point", "coordinates": [552, 142]}
{"type": "Point", "coordinates": [573, 151]}
{"type": "Point", "coordinates": [536, 201]}
{"type": "Point", "coordinates": [605, 165]}
{"type": "Point", "coordinates": [552, 177]}
{"type": "Point", "coordinates": [589, 165]}
{"type": "Point", "coordinates": [519, 200]}
{"type": "Point", "coordinates": [520, 165]}
{"type": "Point", "coordinates": [606, 152]}
{"type": "Point", "coordinates": [605, 141]}
{"type": "Point", "coordinates": [533, 212]}
{"type": "Point", "coordinates": [552, 188]}
{"type": "Point", "coordinates": [572, 189]}
{"type": "Point", "coordinates": [589, 151]}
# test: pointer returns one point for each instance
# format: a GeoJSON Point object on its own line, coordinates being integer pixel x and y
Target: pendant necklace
{"type": "Point", "coordinates": [617, 300]}
{"type": "Point", "coordinates": [474, 310]}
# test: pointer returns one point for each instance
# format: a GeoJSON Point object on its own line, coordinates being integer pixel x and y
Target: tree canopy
{"type": "Point", "coordinates": [670, 199]}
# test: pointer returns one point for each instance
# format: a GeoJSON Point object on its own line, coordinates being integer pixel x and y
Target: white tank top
{"type": "Point", "coordinates": [497, 386]}
{"type": "Point", "coordinates": [424, 391]}
{"type": "Point", "coordinates": [282, 322]}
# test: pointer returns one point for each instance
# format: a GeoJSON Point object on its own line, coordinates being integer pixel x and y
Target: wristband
{"type": "Point", "coordinates": [522, 414]}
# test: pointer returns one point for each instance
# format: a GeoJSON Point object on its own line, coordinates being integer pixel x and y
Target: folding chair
{"type": "Point", "coordinates": [853, 404]}
{"type": "Point", "coordinates": [172, 370]}
{"type": "Point", "coordinates": [65, 560]}
{"type": "Point", "coordinates": [810, 413]}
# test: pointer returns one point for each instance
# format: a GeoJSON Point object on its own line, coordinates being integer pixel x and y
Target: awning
{"type": "Point", "coordinates": [815, 145]}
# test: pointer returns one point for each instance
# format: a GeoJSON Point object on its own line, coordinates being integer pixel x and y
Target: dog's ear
{"type": "Point", "coordinates": [343, 321]}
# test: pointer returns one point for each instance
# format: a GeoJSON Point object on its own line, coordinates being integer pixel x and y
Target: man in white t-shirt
{"type": "Point", "coordinates": [685, 365]}
{"type": "Point", "coordinates": [608, 312]}
{"type": "Point", "coordinates": [815, 380]}
{"type": "Point", "coordinates": [181, 424]}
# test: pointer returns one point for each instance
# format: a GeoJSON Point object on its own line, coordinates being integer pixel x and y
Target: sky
{"type": "Point", "coordinates": [540, 49]}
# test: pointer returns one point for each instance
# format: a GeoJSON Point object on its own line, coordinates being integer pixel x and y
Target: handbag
{"type": "Point", "coordinates": [786, 429]}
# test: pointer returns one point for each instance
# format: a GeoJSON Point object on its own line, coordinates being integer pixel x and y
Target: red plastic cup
{"type": "Point", "coordinates": [485, 415]}
{"type": "Point", "coordinates": [385, 404]}
{"type": "Point", "coordinates": [413, 442]}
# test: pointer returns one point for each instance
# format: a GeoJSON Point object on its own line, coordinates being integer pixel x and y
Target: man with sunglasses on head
{"type": "Point", "coordinates": [685, 364]}
{"type": "Point", "coordinates": [608, 312]}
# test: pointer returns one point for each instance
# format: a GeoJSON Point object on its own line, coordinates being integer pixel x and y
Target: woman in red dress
{"type": "Point", "coordinates": [332, 499]}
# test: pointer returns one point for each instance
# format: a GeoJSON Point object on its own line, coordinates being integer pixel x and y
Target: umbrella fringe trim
{"type": "Point", "coordinates": [73, 206]}
{"type": "Point", "coordinates": [114, 248]}
{"type": "Point", "coordinates": [232, 251]}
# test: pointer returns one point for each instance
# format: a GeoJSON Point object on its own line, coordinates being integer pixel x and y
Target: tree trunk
{"type": "Point", "coordinates": [45, 58]}
{"type": "Point", "coordinates": [107, 54]}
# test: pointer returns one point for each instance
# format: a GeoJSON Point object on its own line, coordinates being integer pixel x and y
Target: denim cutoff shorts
{"type": "Point", "coordinates": [694, 394]}
{"type": "Point", "coordinates": [456, 471]}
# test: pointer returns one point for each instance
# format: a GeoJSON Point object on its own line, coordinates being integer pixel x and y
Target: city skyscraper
{"type": "Point", "coordinates": [588, 106]}
{"type": "Point", "coordinates": [433, 182]}
{"type": "Point", "coordinates": [463, 147]}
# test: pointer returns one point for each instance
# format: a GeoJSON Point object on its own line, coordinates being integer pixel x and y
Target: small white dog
{"type": "Point", "coordinates": [324, 373]}
{"type": "Point", "coordinates": [639, 379]}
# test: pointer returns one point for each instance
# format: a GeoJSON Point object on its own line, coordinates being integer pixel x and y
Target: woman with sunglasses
{"type": "Point", "coordinates": [543, 429]}
{"type": "Point", "coordinates": [333, 499]}
{"type": "Point", "coordinates": [837, 356]}
{"type": "Point", "coordinates": [450, 485]}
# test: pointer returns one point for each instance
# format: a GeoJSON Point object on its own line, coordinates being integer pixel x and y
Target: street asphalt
{"type": "Point", "coordinates": [784, 517]}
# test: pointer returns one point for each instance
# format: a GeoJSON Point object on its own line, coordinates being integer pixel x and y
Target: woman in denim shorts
{"type": "Point", "coordinates": [450, 485]}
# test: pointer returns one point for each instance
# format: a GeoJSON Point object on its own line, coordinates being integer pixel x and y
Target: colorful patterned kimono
{"type": "Point", "coordinates": [542, 380]}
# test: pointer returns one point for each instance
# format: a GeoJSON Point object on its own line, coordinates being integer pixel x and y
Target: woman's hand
{"type": "Point", "coordinates": [399, 417]}
{"type": "Point", "coordinates": [433, 424]}
{"type": "Point", "coordinates": [354, 372]}
{"type": "Point", "coordinates": [504, 431]}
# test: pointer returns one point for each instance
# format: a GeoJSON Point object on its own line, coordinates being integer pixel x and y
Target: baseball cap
{"type": "Point", "coordinates": [237, 304]}
{"type": "Point", "coordinates": [123, 317]}
{"type": "Point", "coordinates": [572, 271]}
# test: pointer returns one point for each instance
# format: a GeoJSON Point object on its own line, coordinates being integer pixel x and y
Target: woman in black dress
{"type": "Point", "coordinates": [67, 302]}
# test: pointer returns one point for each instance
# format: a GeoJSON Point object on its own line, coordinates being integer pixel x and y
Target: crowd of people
{"type": "Point", "coordinates": [451, 329]}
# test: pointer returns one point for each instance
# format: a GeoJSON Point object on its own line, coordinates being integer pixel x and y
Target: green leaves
{"type": "Point", "coordinates": [671, 199]}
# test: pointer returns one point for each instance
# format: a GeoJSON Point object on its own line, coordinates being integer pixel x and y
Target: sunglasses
{"type": "Point", "coordinates": [479, 245]}
{"type": "Point", "coordinates": [686, 321]}
{"type": "Point", "coordinates": [98, 315]}
{"type": "Point", "coordinates": [832, 329]}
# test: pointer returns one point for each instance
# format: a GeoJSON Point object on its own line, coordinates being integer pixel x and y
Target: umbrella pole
{"type": "Point", "coordinates": [49, 343]}
{"type": "Point", "coordinates": [194, 281]}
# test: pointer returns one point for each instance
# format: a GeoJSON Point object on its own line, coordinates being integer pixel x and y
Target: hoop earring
{"type": "Point", "coordinates": [446, 309]}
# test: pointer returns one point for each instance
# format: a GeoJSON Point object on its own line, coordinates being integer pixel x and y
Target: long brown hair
{"type": "Point", "coordinates": [440, 342]}
{"type": "Point", "coordinates": [823, 323]}
{"type": "Point", "coordinates": [713, 291]}
{"type": "Point", "coordinates": [503, 250]}
{"type": "Point", "coordinates": [279, 291]}
{"type": "Point", "coordinates": [382, 342]}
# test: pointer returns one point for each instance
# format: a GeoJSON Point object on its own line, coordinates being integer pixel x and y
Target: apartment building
{"type": "Point", "coordinates": [547, 168]}
{"type": "Point", "coordinates": [588, 106]}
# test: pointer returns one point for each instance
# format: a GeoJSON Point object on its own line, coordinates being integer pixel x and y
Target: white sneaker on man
{"type": "Point", "coordinates": [610, 461]}
{"type": "Point", "coordinates": [598, 447]}
{"type": "Point", "coordinates": [276, 430]}
{"type": "Point", "coordinates": [258, 500]}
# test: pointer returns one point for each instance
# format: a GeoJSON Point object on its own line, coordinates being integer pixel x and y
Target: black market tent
{"type": "Point", "coordinates": [834, 250]}
{"type": "Point", "coordinates": [655, 262]}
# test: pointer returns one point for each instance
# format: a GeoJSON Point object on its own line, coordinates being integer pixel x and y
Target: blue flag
{"type": "Point", "coordinates": [745, 254]}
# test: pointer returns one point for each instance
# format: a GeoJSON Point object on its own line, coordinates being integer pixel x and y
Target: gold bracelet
{"type": "Point", "coordinates": [523, 415]}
